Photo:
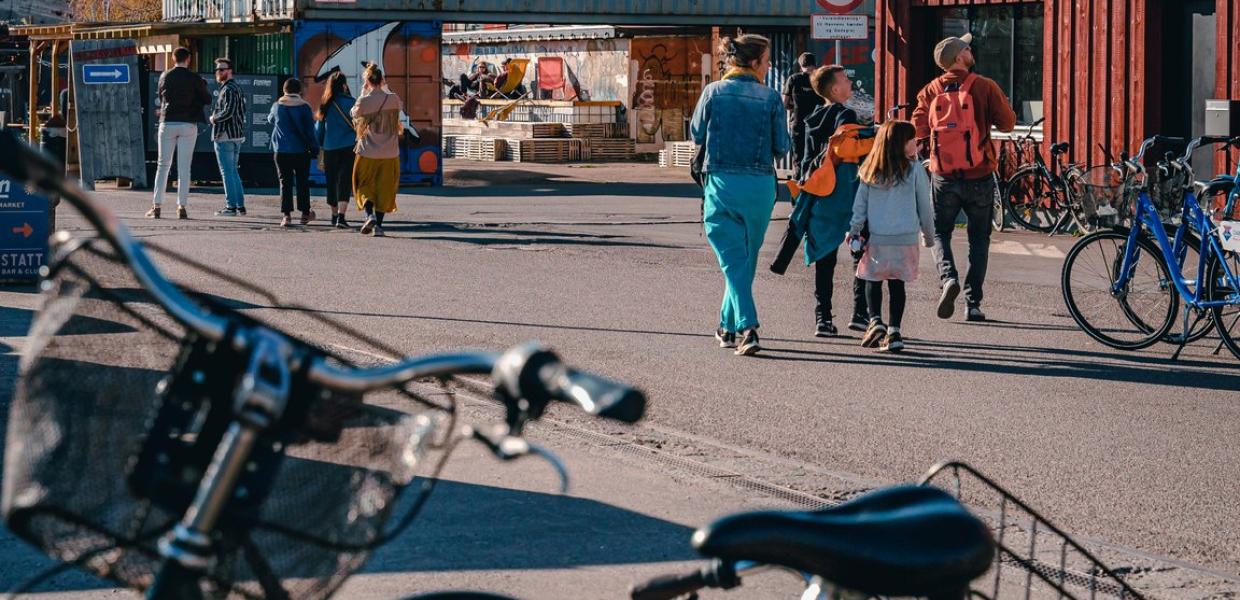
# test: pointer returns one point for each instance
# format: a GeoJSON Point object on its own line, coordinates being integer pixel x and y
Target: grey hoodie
{"type": "Point", "coordinates": [895, 214]}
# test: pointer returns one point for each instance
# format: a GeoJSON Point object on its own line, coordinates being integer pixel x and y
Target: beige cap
{"type": "Point", "coordinates": [946, 51]}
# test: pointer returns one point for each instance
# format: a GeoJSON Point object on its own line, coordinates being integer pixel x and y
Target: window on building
{"type": "Point", "coordinates": [1007, 43]}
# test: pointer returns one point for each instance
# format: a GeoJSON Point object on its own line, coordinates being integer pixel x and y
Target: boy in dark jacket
{"type": "Point", "coordinates": [828, 217]}
{"type": "Point", "coordinates": [294, 142]}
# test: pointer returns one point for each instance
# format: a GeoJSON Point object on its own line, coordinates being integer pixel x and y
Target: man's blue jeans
{"type": "Point", "coordinates": [228, 153]}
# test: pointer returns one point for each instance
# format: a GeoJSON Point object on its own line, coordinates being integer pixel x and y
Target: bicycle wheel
{"type": "Point", "coordinates": [1217, 287]}
{"type": "Point", "coordinates": [1032, 200]}
{"type": "Point", "coordinates": [1136, 316]}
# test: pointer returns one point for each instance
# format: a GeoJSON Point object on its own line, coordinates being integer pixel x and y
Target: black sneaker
{"type": "Point", "coordinates": [947, 301]}
{"type": "Point", "coordinates": [975, 314]}
{"type": "Point", "coordinates": [726, 338]}
{"type": "Point", "coordinates": [341, 223]}
{"type": "Point", "coordinates": [368, 226]}
{"type": "Point", "coordinates": [227, 211]}
{"type": "Point", "coordinates": [892, 342]}
{"type": "Point", "coordinates": [241, 211]}
{"type": "Point", "coordinates": [825, 328]}
{"type": "Point", "coordinates": [748, 345]}
{"type": "Point", "coordinates": [859, 323]}
{"type": "Point", "coordinates": [334, 219]}
{"type": "Point", "coordinates": [874, 334]}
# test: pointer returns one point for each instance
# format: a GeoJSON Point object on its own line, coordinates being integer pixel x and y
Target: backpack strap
{"type": "Point", "coordinates": [967, 84]}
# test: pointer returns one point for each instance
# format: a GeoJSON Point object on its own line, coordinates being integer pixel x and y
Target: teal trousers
{"type": "Point", "coordinates": [736, 213]}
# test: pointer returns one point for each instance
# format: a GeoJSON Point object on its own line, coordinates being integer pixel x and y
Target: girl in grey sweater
{"type": "Point", "coordinates": [894, 199]}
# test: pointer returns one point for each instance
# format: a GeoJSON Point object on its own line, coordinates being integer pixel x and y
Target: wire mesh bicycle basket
{"type": "Point", "coordinates": [103, 444]}
{"type": "Point", "coordinates": [1101, 195]}
{"type": "Point", "coordinates": [1167, 192]}
{"type": "Point", "coordinates": [1035, 558]}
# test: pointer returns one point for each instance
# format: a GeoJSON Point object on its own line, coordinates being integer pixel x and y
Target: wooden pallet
{"type": "Point", "coordinates": [504, 129]}
{"type": "Point", "coordinates": [546, 150]}
{"type": "Point", "coordinates": [472, 147]}
{"type": "Point", "coordinates": [678, 154]}
{"type": "Point", "coordinates": [593, 130]}
{"type": "Point", "coordinates": [612, 149]}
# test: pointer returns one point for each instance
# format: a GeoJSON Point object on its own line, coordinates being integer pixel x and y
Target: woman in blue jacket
{"type": "Point", "coordinates": [741, 124]}
{"type": "Point", "coordinates": [335, 134]}
{"type": "Point", "coordinates": [294, 143]}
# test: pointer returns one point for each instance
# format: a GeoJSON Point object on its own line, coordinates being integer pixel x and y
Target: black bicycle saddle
{"type": "Point", "coordinates": [899, 541]}
{"type": "Point", "coordinates": [1222, 184]}
{"type": "Point", "coordinates": [1060, 148]}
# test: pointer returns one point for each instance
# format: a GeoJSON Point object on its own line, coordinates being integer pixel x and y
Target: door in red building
{"type": "Point", "coordinates": [1190, 41]}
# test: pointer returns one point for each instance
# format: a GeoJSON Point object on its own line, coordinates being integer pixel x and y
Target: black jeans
{"type": "Point", "coordinates": [798, 148]}
{"type": "Point", "coordinates": [824, 287]}
{"type": "Point", "coordinates": [874, 290]}
{"type": "Point", "coordinates": [976, 198]}
{"type": "Point", "coordinates": [293, 168]}
{"type": "Point", "coordinates": [338, 166]}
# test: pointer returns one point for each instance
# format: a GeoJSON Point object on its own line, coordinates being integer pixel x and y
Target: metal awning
{"type": "Point", "coordinates": [530, 34]}
{"type": "Point", "coordinates": [129, 31]}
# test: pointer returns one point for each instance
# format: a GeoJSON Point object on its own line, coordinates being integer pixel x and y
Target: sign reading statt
{"type": "Point", "coordinates": [23, 232]}
{"type": "Point", "coordinates": [840, 27]}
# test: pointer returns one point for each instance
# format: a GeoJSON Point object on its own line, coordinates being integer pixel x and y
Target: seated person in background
{"type": "Point", "coordinates": [472, 83]}
{"type": "Point", "coordinates": [508, 69]}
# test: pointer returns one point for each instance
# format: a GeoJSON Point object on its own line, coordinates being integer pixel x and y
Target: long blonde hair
{"type": "Point", "coordinates": [887, 164]}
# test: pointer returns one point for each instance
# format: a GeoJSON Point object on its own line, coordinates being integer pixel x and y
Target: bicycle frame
{"type": "Point", "coordinates": [1147, 217]}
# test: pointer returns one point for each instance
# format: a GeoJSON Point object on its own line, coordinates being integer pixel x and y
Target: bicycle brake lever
{"type": "Point", "coordinates": [505, 446]}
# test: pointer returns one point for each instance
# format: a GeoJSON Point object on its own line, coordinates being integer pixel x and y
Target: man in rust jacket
{"type": "Point", "coordinates": [972, 190]}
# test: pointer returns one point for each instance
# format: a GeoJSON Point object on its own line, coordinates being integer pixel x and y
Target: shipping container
{"type": "Point", "coordinates": [408, 52]}
{"type": "Point", "coordinates": [612, 12]}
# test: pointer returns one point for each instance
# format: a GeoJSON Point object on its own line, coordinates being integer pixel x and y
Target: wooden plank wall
{"type": "Point", "coordinates": [1094, 85]}
{"type": "Point", "coordinates": [109, 124]}
{"type": "Point", "coordinates": [1227, 73]}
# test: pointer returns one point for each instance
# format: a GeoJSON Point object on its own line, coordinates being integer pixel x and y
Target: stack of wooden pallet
{"type": "Point", "coordinates": [677, 154]}
{"type": "Point", "coordinates": [541, 142]}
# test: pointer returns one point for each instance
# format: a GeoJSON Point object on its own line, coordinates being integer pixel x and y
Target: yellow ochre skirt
{"type": "Point", "coordinates": [375, 180]}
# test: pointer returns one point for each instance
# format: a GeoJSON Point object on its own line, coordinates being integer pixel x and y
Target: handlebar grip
{"type": "Point", "coordinates": [595, 394]}
{"type": "Point", "coordinates": [669, 587]}
{"type": "Point", "coordinates": [1038, 122]}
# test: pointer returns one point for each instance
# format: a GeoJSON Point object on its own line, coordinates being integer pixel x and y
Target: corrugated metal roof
{"type": "Point", "coordinates": [611, 12]}
{"type": "Point", "coordinates": [570, 32]}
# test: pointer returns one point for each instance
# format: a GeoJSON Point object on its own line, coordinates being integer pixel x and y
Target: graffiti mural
{"type": "Point", "coordinates": [599, 69]}
{"type": "Point", "coordinates": [408, 53]}
{"type": "Point", "coordinates": [667, 73]}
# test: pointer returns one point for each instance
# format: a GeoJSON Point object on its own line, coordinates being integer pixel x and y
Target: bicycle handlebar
{"type": "Point", "coordinates": [594, 394]}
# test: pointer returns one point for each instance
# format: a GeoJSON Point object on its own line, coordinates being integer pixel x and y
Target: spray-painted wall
{"type": "Point", "coordinates": [408, 53]}
{"type": "Point", "coordinates": [668, 74]}
{"type": "Point", "coordinates": [601, 67]}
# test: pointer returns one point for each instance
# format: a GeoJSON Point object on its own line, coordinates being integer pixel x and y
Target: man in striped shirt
{"type": "Point", "coordinates": [228, 133]}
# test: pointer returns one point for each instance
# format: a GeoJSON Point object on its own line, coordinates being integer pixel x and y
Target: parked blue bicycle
{"type": "Point", "coordinates": [1117, 283]}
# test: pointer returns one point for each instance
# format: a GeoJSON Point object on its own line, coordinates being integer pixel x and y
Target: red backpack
{"type": "Point", "coordinates": [955, 142]}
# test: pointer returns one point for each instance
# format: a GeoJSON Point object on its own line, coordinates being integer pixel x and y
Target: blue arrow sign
{"type": "Point", "coordinates": [98, 74]}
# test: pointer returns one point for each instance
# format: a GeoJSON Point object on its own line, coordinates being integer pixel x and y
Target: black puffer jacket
{"type": "Point", "coordinates": [182, 96]}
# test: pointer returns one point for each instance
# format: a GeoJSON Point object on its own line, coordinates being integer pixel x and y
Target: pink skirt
{"type": "Point", "coordinates": [882, 262]}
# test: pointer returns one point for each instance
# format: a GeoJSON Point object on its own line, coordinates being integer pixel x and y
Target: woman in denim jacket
{"type": "Point", "coordinates": [741, 123]}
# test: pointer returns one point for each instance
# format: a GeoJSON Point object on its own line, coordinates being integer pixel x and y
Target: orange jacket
{"type": "Point", "coordinates": [849, 144]}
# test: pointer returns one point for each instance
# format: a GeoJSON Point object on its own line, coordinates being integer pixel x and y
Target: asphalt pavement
{"type": "Point", "coordinates": [1131, 451]}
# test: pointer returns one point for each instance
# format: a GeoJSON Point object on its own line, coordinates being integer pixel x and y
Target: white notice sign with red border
{"type": "Point", "coordinates": [840, 27]}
